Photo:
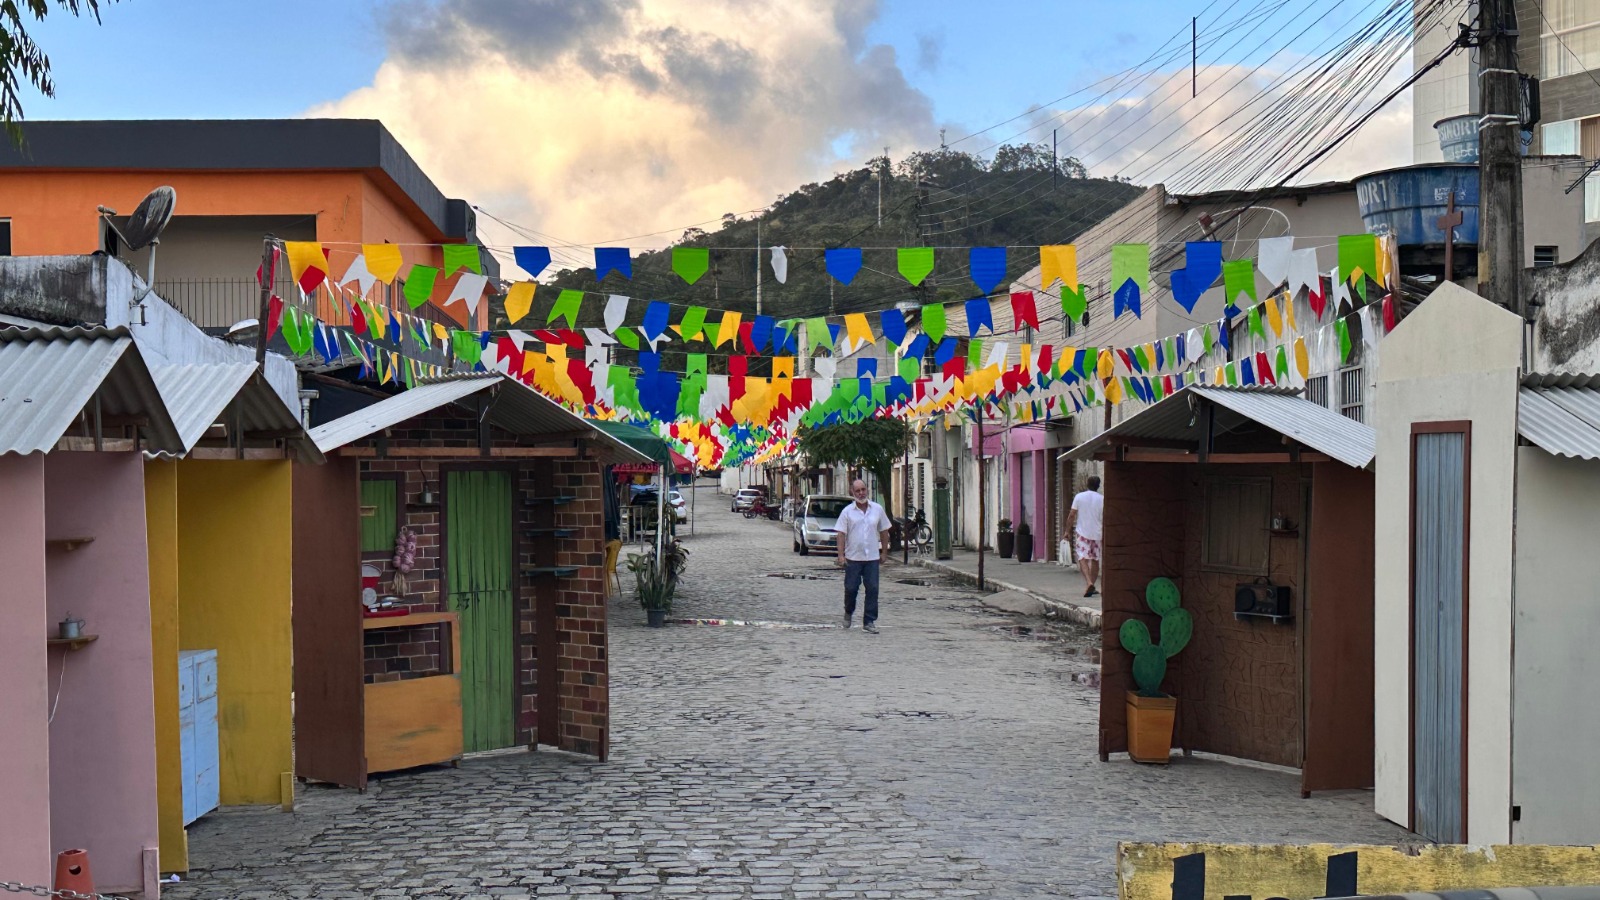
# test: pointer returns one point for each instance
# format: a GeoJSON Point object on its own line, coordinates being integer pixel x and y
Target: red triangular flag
{"type": "Point", "coordinates": [358, 319]}
{"type": "Point", "coordinates": [1023, 311]}
{"type": "Point", "coordinates": [274, 274]}
{"type": "Point", "coordinates": [274, 315]}
{"type": "Point", "coordinates": [1264, 370]}
{"type": "Point", "coordinates": [1388, 313]}
{"type": "Point", "coordinates": [1317, 296]}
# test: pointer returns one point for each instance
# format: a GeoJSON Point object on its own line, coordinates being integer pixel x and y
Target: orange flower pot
{"type": "Point", "coordinates": [1150, 722]}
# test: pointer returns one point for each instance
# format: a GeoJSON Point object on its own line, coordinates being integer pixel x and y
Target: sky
{"type": "Point", "coordinates": [590, 121]}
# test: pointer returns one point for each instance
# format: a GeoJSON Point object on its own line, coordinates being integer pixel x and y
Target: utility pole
{"type": "Point", "coordinates": [758, 265]}
{"type": "Point", "coordinates": [1499, 162]}
{"type": "Point", "coordinates": [1055, 168]}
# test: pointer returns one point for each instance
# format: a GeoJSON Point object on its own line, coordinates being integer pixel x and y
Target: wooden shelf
{"type": "Point", "coordinates": [74, 643]}
{"type": "Point", "coordinates": [555, 500]}
{"type": "Point", "coordinates": [1276, 620]}
{"type": "Point", "coordinates": [557, 571]}
{"type": "Point", "coordinates": [422, 506]}
{"type": "Point", "coordinates": [68, 543]}
{"type": "Point", "coordinates": [551, 532]}
{"type": "Point", "coordinates": [427, 618]}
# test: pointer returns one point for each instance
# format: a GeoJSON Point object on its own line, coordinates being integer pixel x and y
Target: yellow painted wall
{"type": "Point", "coordinates": [234, 533]}
{"type": "Point", "coordinates": [1144, 871]}
{"type": "Point", "coordinates": [161, 525]}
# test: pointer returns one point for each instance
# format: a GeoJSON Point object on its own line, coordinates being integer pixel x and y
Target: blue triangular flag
{"type": "Point", "coordinates": [394, 328]}
{"type": "Point", "coordinates": [655, 319]}
{"type": "Point", "coordinates": [1160, 359]}
{"type": "Point", "coordinates": [1126, 298]}
{"type": "Point", "coordinates": [987, 266]}
{"type": "Point", "coordinates": [612, 259]}
{"type": "Point", "coordinates": [866, 366]}
{"type": "Point", "coordinates": [894, 325]}
{"type": "Point", "coordinates": [945, 352]}
{"type": "Point", "coordinates": [649, 363]}
{"type": "Point", "coordinates": [843, 263]}
{"type": "Point", "coordinates": [1183, 351]}
{"type": "Point", "coordinates": [1246, 371]}
{"type": "Point", "coordinates": [918, 348]}
{"type": "Point", "coordinates": [1225, 335]}
{"type": "Point", "coordinates": [978, 314]}
{"type": "Point", "coordinates": [1202, 265]}
{"type": "Point", "coordinates": [533, 260]}
{"type": "Point", "coordinates": [761, 332]}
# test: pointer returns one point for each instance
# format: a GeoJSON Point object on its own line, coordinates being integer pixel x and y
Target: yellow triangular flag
{"type": "Point", "coordinates": [1302, 363]}
{"type": "Point", "coordinates": [1288, 311]}
{"type": "Point", "coordinates": [441, 332]}
{"type": "Point", "coordinates": [1058, 263]}
{"type": "Point", "coordinates": [383, 261]}
{"type": "Point", "coordinates": [1108, 364]}
{"type": "Point", "coordinates": [1114, 391]}
{"type": "Point", "coordinates": [519, 300]}
{"type": "Point", "coordinates": [304, 255]}
{"type": "Point", "coordinates": [1274, 318]}
{"type": "Point", "coordinates": [857, 329]}
{"type": "Point", "coordinates": [728, 330]}
{"type": "Point", "coordinates": [783, 367]}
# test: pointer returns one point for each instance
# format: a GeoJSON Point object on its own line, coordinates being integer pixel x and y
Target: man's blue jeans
{"type": "Point", "coordinates": [855, 573]}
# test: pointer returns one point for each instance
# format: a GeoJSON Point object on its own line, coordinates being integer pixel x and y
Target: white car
{"type": "Point", "coordinates": [813, 525]}
{"type": "Point", "coordinates": [746, 498]}
{"type": "Point", "coordinates": [680, 511]}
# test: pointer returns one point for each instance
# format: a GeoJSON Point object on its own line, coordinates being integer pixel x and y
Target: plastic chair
{"type": "Point", "coordinates": [613, 550]}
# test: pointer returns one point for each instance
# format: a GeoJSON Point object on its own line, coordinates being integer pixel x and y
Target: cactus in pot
{"type": "Point", "coordinates": [1177, 626]}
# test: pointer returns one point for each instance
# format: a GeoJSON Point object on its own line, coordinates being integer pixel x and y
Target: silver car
{"type": "Point", "coordinates": [813, 525]}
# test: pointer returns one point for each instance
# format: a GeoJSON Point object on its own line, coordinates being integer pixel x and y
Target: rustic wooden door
{"type": "Point", "coordinates": [479, 586]}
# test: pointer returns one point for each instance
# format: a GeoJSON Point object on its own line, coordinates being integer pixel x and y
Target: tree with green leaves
{"type": "Point", "coordinates": [871, 444]}
{"type": "Point", "coordinates": [20, 55]}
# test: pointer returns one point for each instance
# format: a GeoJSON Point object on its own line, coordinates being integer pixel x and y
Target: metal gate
{"type": "Point", "coordinates": [1439, 461]}
{"type": "Point", "coordinates": [478, 582]}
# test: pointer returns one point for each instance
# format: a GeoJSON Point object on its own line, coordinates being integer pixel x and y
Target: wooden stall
{"type": "Point", "coordinates": [502, 641]}
{"type": "Point", "coordinates": [1239, 495]}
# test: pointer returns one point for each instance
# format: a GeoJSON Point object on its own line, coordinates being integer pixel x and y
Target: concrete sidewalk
{"type": "Point", "coordinates": [1058, 587]}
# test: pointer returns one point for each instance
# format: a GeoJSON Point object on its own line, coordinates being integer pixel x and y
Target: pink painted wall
{"type": "Point", "coordinates": [103, 740]}
{"type": "Point", "coordinates": [1027, 460]}
{"type": "Point", "coordinates": [24, 701]}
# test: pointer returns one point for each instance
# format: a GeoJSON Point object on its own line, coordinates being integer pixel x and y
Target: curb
{"type": "Point", "coordinates": [1072, 612]}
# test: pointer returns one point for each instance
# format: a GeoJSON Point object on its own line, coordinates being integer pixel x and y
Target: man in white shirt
{"type": "Point", "coordinates": [862, 539]}
{"type": "Point", "coordinates": [1084, 520]}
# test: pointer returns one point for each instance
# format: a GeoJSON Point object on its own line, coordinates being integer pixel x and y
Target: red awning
{"type": "Point", "coordinates": [679, 464]}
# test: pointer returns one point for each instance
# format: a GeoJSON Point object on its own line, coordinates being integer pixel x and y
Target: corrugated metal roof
{"type": "Point", "coordinates": [49, 375]}
{"type": "Point", "coordinates": [199, 395]}
{"type": "Point", "coordinates": [1561, 420]}
{"type": "Point", "coordinates": [517, 408]}
{"type": "Point", "coordinates": [1280, 409]}
{"type": "Point", "coordinates": [1560, 379]}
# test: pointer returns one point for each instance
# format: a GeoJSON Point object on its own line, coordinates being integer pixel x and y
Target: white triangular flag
{"type": "Point", "coordinates": [1303, 270]}
{"type": "Point", "coordinates": [616, 312]}
{"type": "Point", "coordinates": [780, 264]}
{"type": "Point", "coordinates": [358, 271]}
{"type": "Point", "coordinates": [1341, 290]}
{"type": "Point", "coordinates": [825, 366]}
{"type": "Point", "coordinates": [1192, 347]}
{"type": "Point", "coordinates": [997, 355]}
{"type": "Point", "coordinates": [598, 336]}
{"type": "Point", "coordinates": [1369, 328]}
{"type": "Point", "coordinates": [469, 288]}
{"type": "Point", "coordinates": [1272, 258]}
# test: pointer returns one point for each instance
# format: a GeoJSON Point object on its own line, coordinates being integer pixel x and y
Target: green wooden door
{"type": "Point", "coordinates": [479, 586]}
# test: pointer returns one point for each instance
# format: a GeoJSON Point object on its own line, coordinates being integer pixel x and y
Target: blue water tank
{"type": "Point", "coordinates": [1407, 202]}
{"type": "Point", "coordinates": [1458, 138]}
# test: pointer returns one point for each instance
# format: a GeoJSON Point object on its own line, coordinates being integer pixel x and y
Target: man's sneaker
{"type": "Point", "coordinates": [845, 623]}
{"type": "Point", "coordinates": [870, 628]}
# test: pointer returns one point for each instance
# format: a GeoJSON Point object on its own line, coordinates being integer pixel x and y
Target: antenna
{"type": "Point", "coordinates": [149, 219]}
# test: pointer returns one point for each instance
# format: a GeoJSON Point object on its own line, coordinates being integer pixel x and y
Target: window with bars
{"type": "Point", "coordinates": [5, 237]}
{"type": "Point", "coordinates": [1317, 390]}
{"type": "Point", "coordinates": [1352, 387]}
{"type": "Point", "coordinates": [1544, 256]}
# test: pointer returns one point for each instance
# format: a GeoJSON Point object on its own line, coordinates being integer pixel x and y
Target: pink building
{"type": "Point", "coordinates": [77, 408]}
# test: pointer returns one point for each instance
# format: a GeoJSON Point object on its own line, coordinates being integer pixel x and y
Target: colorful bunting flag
{"type": "Point", "coordinates": [519, 299]}
{"type": "Point", "coordinates": [612, 259]}
{"type": "Point", "coordinates": [419, 285]}
{"type": "Point", "coordinates": [1058, 263]}
{"type": "Point", "coordinates": [691, 262]}
{"type": "Point", "coordinates": [566, 307]}
{"type": "Point", "coordinates": [383, 261]}
{"type": "Point", "coordinates": [978, 316]}
{"type": "Point", "coordinates": [1024, 311]}
{"type": "Point", "coordinates": [1202, 265]}
{"type": "Point", "coordinates": [533, 260]}
{"type": "Point", "coordinates": [1238, 277]}
{"type": "Point", "coordinates": [462, 256]}
{"type": "Point", "coordinates": [843, 263]}
{"type": "Point", "coordinates": [987, 267]}
{"type": "Point", "coordinates": [915, 263]}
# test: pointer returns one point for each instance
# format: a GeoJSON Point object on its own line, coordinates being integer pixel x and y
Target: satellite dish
{"type": "Point", "coordinates": [148, 220]}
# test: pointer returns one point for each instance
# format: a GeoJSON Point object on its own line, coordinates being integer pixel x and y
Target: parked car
{"type": "Point", "coordinates": [680, 511]}
{"type": "Point", "coordinates": [746, 496]}
{"type": "Point", "coordinates": [813, 525]}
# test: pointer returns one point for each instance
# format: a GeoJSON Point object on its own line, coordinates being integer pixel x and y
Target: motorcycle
{"type": "Point", "coordinates": [759, 507]}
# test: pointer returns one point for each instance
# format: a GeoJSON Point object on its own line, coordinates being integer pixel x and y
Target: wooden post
{"type": "Point", "coordinates": [1499, 162]}
{"type": "Point", "coordinates": [267, 277]}
{"type": "Point", "coordinates": [1448, 222]}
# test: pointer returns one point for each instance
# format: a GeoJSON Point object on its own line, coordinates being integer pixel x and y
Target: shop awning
{"type": "Point", "coordinates": [512, 406]}
{"type": "Point", "coordinates": [1177, 423]}
{"type": "Point", "coordinates": [50, 376]}
{"type": "Point", "coordinates": [1561, 414]}
{"type": "Point", "coordinates": [233, 394]}
{"type": "Point", "coordinates": [642, 439]}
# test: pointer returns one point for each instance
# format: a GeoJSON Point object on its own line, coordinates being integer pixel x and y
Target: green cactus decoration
{"type": "Point", "coordinates": [1177, 626]}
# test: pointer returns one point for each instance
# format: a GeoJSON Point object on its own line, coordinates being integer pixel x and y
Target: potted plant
{"type": "Point", "coordinates": [1024, 541]}
{"type": "Point", "coordinates": [655, 585]}
{"type": "Point", "coordinates": [1005, 540]}
{"type": "Point", "coordinates": [1151, 712]}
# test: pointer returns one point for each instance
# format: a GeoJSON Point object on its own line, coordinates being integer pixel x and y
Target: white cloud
{"type": "Point", "coordinates": [591, 121]}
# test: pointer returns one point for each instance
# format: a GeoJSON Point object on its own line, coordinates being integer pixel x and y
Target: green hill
{"type": "Point", "coordinates": [943, 198]}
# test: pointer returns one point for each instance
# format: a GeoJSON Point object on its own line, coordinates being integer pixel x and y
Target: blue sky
{"type": "Point", "coordinates": [213, 59]}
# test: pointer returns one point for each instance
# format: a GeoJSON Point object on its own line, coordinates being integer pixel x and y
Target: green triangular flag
{"type": "Point", "coordinates": [411, 374]}
{"type": "Point", "coordinates": [910, 368]}
{"type": "Point", "coordinates": [1231, 373]}
{"type": "Point", "coordinates": [1206, 339]}
{"type": "Point", "coordinates": [695, 364]}
{"type": "Point", "coordinates": [628, 337]}
{"type": "Point", "coordinates": [1238, 276]}
{"type": "Point", "coordinates": [1343, 328]}
{"type": "Point", "coordinates": [1255, 323]}
{"type": "Point", "coordinates": [690, 262]}
{"type": "Point", "coordinates": [419, 333]}
{"type": "Point", "coordinates": [819, 333]}
{"type": "Point", "coordinates": [975, 353]}
{"type": "Point", "coordinates": [1358, 260]}
{"type": "Point", "coordinates": [419, 285]}
{"type": "Point", "coordinates": [1281, 366]}
{"type": "Point", "coordinates": [466, 346]}
{"type": "Point", "coordinates": [1172, 353]}
{"type": "Point", "coordinates": [461, 256]}
{"type": "Point", "coordinates": [1091, 362]}
{"type": "Point", "coordinates": [566, 307]}
{"type": "Point", "coordinates": [297, 331]}
{"type": "Point", "coordinates": [933, 322]}
{"type": "Point", "coordinates": [1073, 302]}
{"type": "Point", "coordinates": [916, 263]}
{"type": "Point", "coordinates": [694, 322]}
{"type": "Point", "coordinates": [1142, 357]}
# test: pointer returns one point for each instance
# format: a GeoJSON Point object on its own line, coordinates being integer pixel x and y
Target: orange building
{"type": "Point", "coordinates": [343, 182]}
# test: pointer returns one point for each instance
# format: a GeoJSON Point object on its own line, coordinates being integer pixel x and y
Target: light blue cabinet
{"type": "Point", "coordinates": [197, 731]}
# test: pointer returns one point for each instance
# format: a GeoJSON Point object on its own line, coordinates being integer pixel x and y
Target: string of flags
{"type": "Point", "coordinates": [735, 415]}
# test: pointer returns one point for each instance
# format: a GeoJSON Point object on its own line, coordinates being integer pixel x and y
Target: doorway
{"type": "Point", "coordinates": [1440, 514]}
{"type": "Point", "coordinates": [480, 588]}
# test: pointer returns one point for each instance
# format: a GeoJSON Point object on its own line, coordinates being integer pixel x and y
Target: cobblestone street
{"type": "Point", "coordinates": [953, 755]}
